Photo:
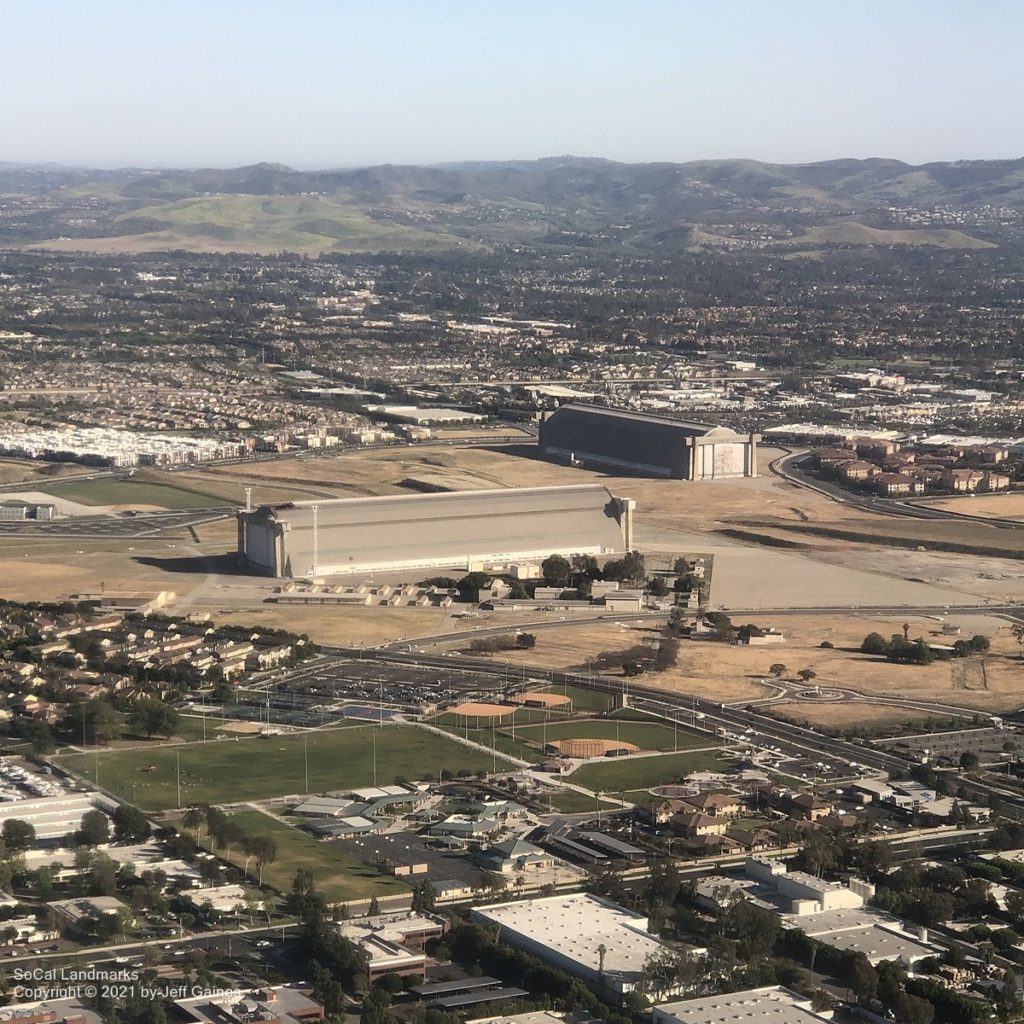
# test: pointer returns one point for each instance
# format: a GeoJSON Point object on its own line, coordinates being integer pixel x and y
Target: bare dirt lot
{"type": "Point", "coordinates": [992, 506]}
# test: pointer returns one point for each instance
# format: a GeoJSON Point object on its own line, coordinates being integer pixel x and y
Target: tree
{"type": "Point", "coordinates": [130, 824]}
{"type": "Point", "coordinates": [633, 668]}
{"type": "Point", "coordinates": [915, 1010]}
{"type": "Point", "coordinates": [95, 721]}
{"type": "Point", "coordinates": [556, 571]}
{"type": "Point", "coordinates": [862, 979]}
{"type": "Point", "coordinates": [153, 717]}
{"type": "Point", "coordinates": [374, 908]}
{"type": "Point", "coordinates": [264, 849]}
{"type": "Point", "coordinates": [819, 852]}
{"type": "Point", "coordinates": [40, 737]}
{"type": "Point", "coordinates": [968, 761]}
{"type": "Point", "coordinates": [471, 584]}
{"type": "Point", "coordinates": [807, 674]}
{"type": "Point", "coordinates": [778, 670]}
{"type": "Point", "coordinates": [375, 1006]}
{"type": "Point", "coordinates": [18, 835]}
{"type": "Point", "coordinates": [1018, 634]}
{"type": "Point", "coordinates": [223, 692]}
{"type": "Point", "coordinates": [657, 587]}
{"type": "Point", "coordinates": [526, 641]}
{"type": "Point", "coordinates": [874, 643]}
{"type": "Point", "coordinates": [94, 829]}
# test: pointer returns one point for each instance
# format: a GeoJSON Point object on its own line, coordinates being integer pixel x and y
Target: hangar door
{"type": "Point", "coordinates": [722, 460]}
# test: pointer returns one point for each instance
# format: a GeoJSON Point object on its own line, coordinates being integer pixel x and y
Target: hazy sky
{"type": "Point", "coordinates": [328, 83]}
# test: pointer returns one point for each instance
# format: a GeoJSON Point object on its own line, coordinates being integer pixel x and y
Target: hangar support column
{"type": "Point", "coordinates": [627, 506]}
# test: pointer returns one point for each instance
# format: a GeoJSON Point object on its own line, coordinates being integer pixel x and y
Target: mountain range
{"type": "Point", "coordinates": [564, 201]}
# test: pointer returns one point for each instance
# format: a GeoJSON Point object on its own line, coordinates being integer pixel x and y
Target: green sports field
{"type": "Point", "coordinates": [255, 768]}
{"type": "Point", "coordinates": [631, 773]}
{"type": "Point", "coordinates": [338, 875]}
{"type": "Point", "coordinates": [128, 491]}
{"type": "Point", "coordinates": [645, 735]}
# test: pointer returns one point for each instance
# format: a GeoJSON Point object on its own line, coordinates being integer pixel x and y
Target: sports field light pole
{"type": "Point", "coordinates": [494, 751]}
{"type": "Point", "coordinates": [305, 758]}
{"type": "Point", "coordinates": [373, 735]}
{"type": "Point", "coordinates": [177, 766]}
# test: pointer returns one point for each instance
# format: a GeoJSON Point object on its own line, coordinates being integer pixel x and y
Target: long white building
{"type": "Point", "coordinates": [462, 530]}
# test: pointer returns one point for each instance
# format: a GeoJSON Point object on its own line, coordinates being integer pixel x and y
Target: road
{"type": "Point", "coordinates": [788, 467]}
{"type": "Point", "coordinates": [694, 712]}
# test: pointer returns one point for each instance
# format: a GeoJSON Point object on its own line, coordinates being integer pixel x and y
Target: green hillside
{"type": "Point", "coordinates": [306, 224]}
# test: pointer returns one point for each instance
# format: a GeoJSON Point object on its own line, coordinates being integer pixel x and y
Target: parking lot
{"type": "Point", "coordinates": [987, 744]}
{"type": "Point", "coordinates": [399, 687]}
{"type": "Point", "coordinates": [408, 848]}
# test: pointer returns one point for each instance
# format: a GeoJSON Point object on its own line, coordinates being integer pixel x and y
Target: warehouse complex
{"type": "Point", "coordinates": [643, 443]}
{"type": "Point", "coordinates": [457, 530]}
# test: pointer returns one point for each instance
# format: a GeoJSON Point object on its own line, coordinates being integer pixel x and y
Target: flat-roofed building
{"type": "Point", "coordinates": [594, 939]}
{"type": "Point", "coordinates": [769, 1005]}
{"type": "Point", "coordinates": [460, 529]}
{"type": "Point", "coordinates": [648, 444]}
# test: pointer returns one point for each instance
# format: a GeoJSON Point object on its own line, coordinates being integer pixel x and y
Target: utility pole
{"type": "Point", "coordinates": [305, 758]}
{"type": "Point", "coordinates": [177, 765]}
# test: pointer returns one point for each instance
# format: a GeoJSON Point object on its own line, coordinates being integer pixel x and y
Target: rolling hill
{"type": "Point", "coordinates": [561, 201]}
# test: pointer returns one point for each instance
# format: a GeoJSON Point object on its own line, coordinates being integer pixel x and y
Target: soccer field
{"type": "Point", "coordinates": [257, 768]}
{"type": "Point", "coordinates": [630, 773]}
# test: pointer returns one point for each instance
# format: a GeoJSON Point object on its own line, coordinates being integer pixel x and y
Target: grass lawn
{"type": "Point", "coordinates": [587, 700]}
{"type": "Point", "coordinates": [568, 801]}
{"type": "Point", "coordinates": [339, 876]}
{"type": "Point", "coordinates": [256, 768]}
{"type": "Point", "coordinates": [502, 741]}
{"type": "Point", "coordinates": [627, 773]}
{"type": "Point", "coordinates": [752, 823]}
{"type": "Point", "coordinates": [110, 491]}
{"type": "Point", "coordinates": [645, 735]}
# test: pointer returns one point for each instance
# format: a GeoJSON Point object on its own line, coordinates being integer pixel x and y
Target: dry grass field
{"type": "Point", "coordinates": [356, 626]}
{"type": "Point", "coordinates": [734, 673]}
{"type": "Point", "coordinates": [991, 506]}
{"type": "Point", "coordinates": [16, 471]}
{"type": "Point", "coordinates": [839, 716]}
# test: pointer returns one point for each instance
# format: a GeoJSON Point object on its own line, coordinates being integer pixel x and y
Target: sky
{"type": "Point", "coordinates": [335, 83]}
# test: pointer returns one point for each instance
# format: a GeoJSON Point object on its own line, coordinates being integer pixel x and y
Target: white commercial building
{"type": "Point", "coordinates": [54, 817]}
{"type": "Point", "coordinates": [600, 942]}
{"type": "Point", "coordinates": [771, 1005]}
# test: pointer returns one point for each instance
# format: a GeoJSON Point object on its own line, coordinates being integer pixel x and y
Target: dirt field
{"type": "Point", "coordinates": [734, 673]}
{"type": "Point", "coordinates": [356, 626]}
{"type": "Point", "coordinates": [991, 506]}
{"type": "Point", "coordinates": [839, 716]}
{"type": "Point", "coordinates": [45, 570]}
{"type": "Point", "coordinates": [15, 471]}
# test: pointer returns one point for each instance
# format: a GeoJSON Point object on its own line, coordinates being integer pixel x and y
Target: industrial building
{"type": "Point", "coordinates": [770, 1005]}
{"type": "Point", "coordinates": [464, 530]}
{"type": "Point", "coordinates": [593, 435]}
{"type": "Point", "coordinates": [605, 945]}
